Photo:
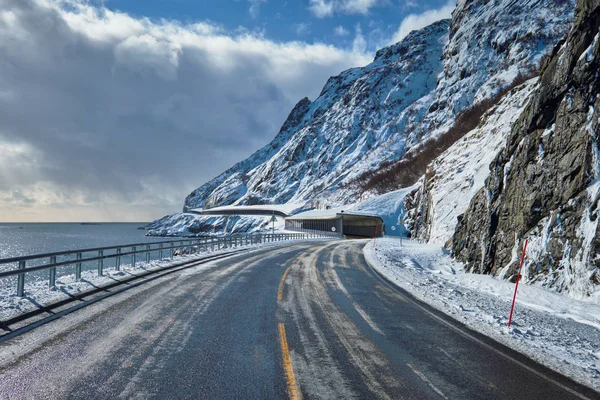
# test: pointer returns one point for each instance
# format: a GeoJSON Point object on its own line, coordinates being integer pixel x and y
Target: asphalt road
{"type": "Point", "coordinates": [310, 320]}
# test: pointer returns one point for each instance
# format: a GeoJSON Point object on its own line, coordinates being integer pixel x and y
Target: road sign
{"type": "Point", "coordinates": [393, 228]}
{"type": "Point", "coordinates": [273, 219]}
{"type": "Point", "coordinates": [333, 229]}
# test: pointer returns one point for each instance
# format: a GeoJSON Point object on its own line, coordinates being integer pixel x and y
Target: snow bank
{"type": "Point", "coordinates": [557, 331]}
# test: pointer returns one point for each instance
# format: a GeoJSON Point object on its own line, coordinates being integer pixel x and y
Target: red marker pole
{"type": "Point", "coordinates": [512, 307]}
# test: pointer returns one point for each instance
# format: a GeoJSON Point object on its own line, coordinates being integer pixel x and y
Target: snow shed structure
{"type": "Point", "coordinates": [339, 223]}
{"type": "Point", "coordinates": [280, 210]}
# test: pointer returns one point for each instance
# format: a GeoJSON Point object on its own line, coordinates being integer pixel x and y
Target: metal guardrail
{"type": "Point", "coordinates": [174, 247]}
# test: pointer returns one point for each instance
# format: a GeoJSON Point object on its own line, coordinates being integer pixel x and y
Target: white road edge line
{"type": "Point", "coordinates": [473, 338]}
{"type": "Point", "coordinates": [427, 381]}
{"type": "Point", "coordinates": [358, 308]}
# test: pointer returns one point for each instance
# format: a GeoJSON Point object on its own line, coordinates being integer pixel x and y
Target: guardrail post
{"type": "Point", "coordinates": [100, 263]}
{"type": "Point", "coordinates": [52, 274]}
{"type": "Point", "coordinates": [147, 254]}
{"type": "Point", "coordinates": [133, 249]}
{"type": "Point", "coordinates": [21, 280]}
{"type": "Point", "coordinates": [118, 263]}
{"type": "Point", "coordinates": [161, 252]}
{"type": "Point", "coordinates": [78, 267]}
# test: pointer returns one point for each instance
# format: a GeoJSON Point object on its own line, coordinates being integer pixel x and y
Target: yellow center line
{"type": "Point", "coordinates": [280, 291]}
{"type": "Point", "coordinates": [293, 389]}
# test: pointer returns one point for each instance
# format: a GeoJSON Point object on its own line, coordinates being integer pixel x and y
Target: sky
{"type": "Point", "coordinates": [115, 110]}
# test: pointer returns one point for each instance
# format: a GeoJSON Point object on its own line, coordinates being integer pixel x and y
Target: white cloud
{"type": "Point", "coordinates": [326, 8]}
{"type": "Point", "coordinates": [358, 6]}
{"type": "Point", "coordinates": [340, 31]}
{"type": "Point", "coordinates": [113, 117]}
{"type": "Point", "coordinates": [302, 29]}
{"type": "Point", "coordinates": [417, 21]}
{"type": "Point", "coordinates": [321, 8]}
{"type": "Point", "coordinates": [359, 45]}
{"type": "Point", "coordinates": [254, 9]}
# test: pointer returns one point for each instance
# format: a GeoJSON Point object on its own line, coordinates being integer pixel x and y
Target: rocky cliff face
{"type": "Point", "coordinates": [545, 184]}
{"type": "Point", "coordinates": [453, 178]}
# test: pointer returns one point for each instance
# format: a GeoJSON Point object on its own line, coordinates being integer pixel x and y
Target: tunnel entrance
{"type": "Point", "coordinates": [350, 224]}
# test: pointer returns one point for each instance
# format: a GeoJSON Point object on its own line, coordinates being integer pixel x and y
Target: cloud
{"type": "Point", "coordinates": [359, 44]}
{"type": "Point", "coordinates": [417, 21]}
{"type": "Point", "coordinates": [302, 29]}
{"type": "Point", "coordinates": [118, 118]}
{"type": "Point", "coordinates": [19, 197]}
{"type": "Point", "coordinates": [340, 31]}
{"type": "Point", "coordinates": [254, 9]}
{"type": "Point", "coordinates": [326, 8]}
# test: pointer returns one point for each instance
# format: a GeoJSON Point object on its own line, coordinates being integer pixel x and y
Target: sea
{"type": "Point", "coordinates": [23, 239]}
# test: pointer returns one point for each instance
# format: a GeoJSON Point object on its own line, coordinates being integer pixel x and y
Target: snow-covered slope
{"type": "Point", "coordinates": [390, 207]}
{"type": "Point", "coordinates": [186, 224]}
{"type": "Point", "coordinates": [490, 42]}
{"type": "Point", "coordinates": [321, 142]}
{"type": "Point", "coordinates": [412, 91]}
{"type": "Point", "coordinates": [452, 179]}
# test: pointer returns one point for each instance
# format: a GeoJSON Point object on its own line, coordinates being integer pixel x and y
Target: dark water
{"type": "Point", "coordinates": [27, 239]}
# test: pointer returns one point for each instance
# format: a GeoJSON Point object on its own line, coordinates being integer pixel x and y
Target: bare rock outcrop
{"type": "Point", "coordinates": [545, 184]}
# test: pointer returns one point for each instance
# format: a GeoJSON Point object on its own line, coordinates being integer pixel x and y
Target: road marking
{"type": "Point", "coordinates": [336, 279]}
{"type": "Point", "coordinates": [293, 389]}
{"type": "Point", "coordinates": [427, 381]}
{"type": "Point", "coordinates": [280, 291]}
{"type": "Point", "coordinates": [467, 335]}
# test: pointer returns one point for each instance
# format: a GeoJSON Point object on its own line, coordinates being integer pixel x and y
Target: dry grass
{"type": "Point", "coordinates": [406, 171]}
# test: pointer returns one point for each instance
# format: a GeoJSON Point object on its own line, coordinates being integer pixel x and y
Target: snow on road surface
{"type": "Point", "coordinates": [37, 292]}
{"type": "Point", "coordinates": [560, 332]}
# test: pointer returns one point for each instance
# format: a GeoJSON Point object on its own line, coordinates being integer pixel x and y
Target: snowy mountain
{"type": "Point", "coordinates": [321, 142]}
{"type": "Point", "coordinates": [369, 117]}
{"type": "Point", "coordinates": [411, 91]}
